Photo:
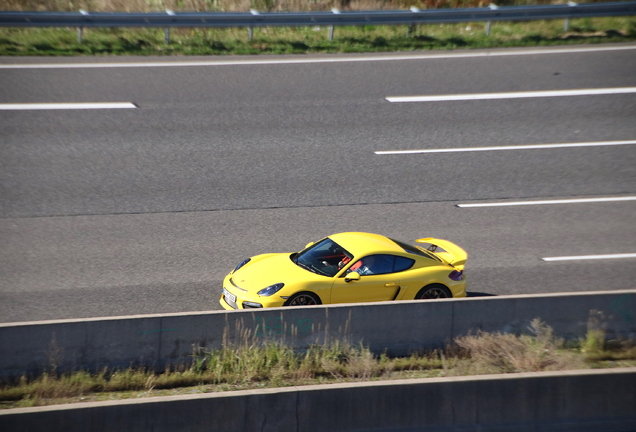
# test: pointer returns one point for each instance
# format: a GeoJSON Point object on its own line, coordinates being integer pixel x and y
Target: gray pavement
{"type": "Point", "coordinates": [113, 212]}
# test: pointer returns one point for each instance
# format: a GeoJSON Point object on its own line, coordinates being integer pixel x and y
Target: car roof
{"type": "Point", "coordinates": [361, 243]}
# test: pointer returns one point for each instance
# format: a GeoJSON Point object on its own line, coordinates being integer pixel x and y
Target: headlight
{"type": "Point", "coordinates": [241, 264]}
{"type": "Point", "coordinates": [272, 289]}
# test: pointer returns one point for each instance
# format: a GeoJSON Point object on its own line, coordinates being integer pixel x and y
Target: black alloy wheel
{"type": "Point", "coordinates": [432, 292]}
{"type": "Point", "coordinates": [303, 299]}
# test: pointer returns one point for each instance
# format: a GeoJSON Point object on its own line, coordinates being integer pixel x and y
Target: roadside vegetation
{"type": "Point", "coordinates": [298, 40]}
{"type": "Point", "coordinates": [260, 5]}
{"type": "Point", "coordinates": [254, 366]}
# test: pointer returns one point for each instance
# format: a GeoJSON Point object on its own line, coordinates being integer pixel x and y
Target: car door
{"type": "Point", "coordinates": [376, 282]}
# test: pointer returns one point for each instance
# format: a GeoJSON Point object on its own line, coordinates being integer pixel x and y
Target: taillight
{"type": "Point", "coordinates": [456, 275]}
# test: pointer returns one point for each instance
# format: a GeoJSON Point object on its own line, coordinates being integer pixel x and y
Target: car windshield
{"type": "Point", "coordinates": [325, 258]}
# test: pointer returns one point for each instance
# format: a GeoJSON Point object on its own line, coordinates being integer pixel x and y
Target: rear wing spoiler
{"type": "Point", "coordinates": [446, 250]}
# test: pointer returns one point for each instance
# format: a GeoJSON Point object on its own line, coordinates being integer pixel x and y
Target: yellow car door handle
{"type": "Point", "coordinates": [391, 284]}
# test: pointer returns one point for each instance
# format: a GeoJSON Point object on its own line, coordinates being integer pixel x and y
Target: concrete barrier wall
{"type": "Point", "coordinates": [578, 401]}
{"type": "Point", "coordinates": [395, 327]}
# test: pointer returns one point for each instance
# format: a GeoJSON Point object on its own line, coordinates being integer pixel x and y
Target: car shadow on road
{"type": "Point", "coordinates": [479, 294]}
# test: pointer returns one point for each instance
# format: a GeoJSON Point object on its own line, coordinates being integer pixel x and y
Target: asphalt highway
{"type": "Point", "coordinates": [144, 209]}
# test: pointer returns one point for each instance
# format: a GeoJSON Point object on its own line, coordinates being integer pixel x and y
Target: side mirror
{"type": "Point", "coordinates": [353, 276]}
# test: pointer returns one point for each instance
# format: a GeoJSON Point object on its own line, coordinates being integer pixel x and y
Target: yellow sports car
{"type": "Point", "coordinates": [347, 268]}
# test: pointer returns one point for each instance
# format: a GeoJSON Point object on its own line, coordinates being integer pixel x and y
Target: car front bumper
{"type": "Point", "coordinates": [233, 298]}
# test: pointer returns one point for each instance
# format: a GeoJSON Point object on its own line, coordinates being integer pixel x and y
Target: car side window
{"type": "Point", "coordinates": [380, 264]}
{"type": "Point", "coordinates": [402, 263]}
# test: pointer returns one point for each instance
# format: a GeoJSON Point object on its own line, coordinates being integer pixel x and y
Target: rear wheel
{"type": "Point", "coordinates": [435, 291]}
{"type": "Point", "coordinates": [303, 299]}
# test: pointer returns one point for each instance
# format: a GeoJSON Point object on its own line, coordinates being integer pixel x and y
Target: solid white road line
{"type": "Point", "coordinates": [590, 257]}
{"type": "Point", "coordinates": [459, 55]}
{"type": "Point", "coordinates": [513, 95]}
{"type": "Point", "coordinates": [555, 201]}
{"type": "Point", "coordinates": [520, 147]}
{"type": "Point", "coordinates": [67, 106]}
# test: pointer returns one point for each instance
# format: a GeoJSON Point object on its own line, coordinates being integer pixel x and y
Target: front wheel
{"type": "Point", "coordinates": [303, 299]}
{"type": "Point", "coordinates": [432, 292]}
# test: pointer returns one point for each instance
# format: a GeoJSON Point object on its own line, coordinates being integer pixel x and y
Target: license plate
{"type": "Point", "coordinates": [229, 298]}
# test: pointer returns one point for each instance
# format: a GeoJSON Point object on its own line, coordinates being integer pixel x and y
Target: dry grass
{"type": "Point", "coordinates": [276, 365]}
{"type": "Point", "coordinates": [507, 353]}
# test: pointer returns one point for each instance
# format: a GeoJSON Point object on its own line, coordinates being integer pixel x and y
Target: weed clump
{"type": "Point", "coordinates": [508, 353]}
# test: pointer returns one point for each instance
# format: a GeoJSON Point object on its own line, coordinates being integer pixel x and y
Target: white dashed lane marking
{"type": "Point", "coordinates": [66, 106]}
{"type": "Point", "coordinates": [512, 95]}
{"type": "Point", "coordinates": [591, 257]}
{"type": "Point", "coordinates": [554, 201]}
{"type": "Point", "coordinates": [500, 148]}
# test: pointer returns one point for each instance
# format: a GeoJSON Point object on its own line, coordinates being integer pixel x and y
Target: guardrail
{"type": "Point", "coordinates": [331, 19]}
{"type": "Point", "coordinates": [396, 328]}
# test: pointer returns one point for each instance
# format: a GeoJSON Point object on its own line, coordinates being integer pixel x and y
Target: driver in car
{"type": "Point", "coordinates": [364, 266]}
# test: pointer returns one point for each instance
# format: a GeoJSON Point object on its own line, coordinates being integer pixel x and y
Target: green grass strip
{"type": "Point", "coordinates": [306, 40]}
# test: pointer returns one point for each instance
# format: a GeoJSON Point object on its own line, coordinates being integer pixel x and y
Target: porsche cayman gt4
{"type": "Point", "coordinates": [348, 267]}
